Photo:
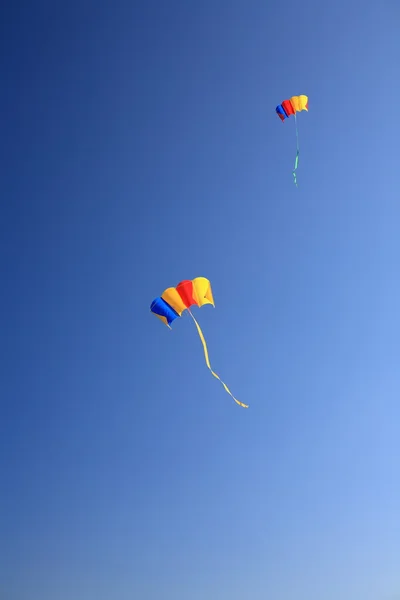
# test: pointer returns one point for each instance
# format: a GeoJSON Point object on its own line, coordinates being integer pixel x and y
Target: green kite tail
{"type": "Point", "coordinates": [296, 162]}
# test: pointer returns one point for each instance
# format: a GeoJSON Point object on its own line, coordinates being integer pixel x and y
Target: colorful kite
{"type": "Point", "coordinates": [174, 301]}
{"type": "Point", "coordinates": [291, 107]}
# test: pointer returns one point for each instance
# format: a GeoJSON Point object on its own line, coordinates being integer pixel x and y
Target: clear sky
{"type": "Point", "coordinates": [140, 147]}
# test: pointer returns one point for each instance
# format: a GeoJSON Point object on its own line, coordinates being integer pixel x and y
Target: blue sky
{"type": "Point", "coordinates": [140, 147]}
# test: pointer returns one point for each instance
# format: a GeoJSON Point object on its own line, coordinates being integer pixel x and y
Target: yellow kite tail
{"type": "Point", "coordinates": [203, 341]}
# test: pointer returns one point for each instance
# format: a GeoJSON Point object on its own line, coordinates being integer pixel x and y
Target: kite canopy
{"type": "Point", "coordinates": [292, 106]}
{"type": "Point", "coordinates": [175, 300]}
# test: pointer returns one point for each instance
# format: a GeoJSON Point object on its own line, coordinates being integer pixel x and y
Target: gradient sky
{"type": "Point", "coordinates": [140, 147]}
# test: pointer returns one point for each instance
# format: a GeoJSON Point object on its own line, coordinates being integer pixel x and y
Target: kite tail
{"type": "Point", "coordinates": [203, 341]}
{"type": "Point", "coordinates": [296, 162]}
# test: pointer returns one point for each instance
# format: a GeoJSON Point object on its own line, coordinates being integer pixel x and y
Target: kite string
{"type": "Point", "coordinates": [296, 162]}
{"type": "Point", "coordinates": [203, 341]}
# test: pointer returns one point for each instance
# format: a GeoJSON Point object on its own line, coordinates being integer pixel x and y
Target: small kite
{"type": "Point", "coordinates": [291, 107]}
{"type": "Point", "coordinates": [177, 299]}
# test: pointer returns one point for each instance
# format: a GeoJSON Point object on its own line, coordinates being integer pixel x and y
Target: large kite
{"type": "Point", "coordinates": [177, 299]}
{"type": "Point", "coordinates": [291, 107]}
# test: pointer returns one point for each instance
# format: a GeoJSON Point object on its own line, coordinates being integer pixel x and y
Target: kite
{"type": "Point", "coordinates": [291, 107]}
{"type": "Point", "coordinates": [175, 300]}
